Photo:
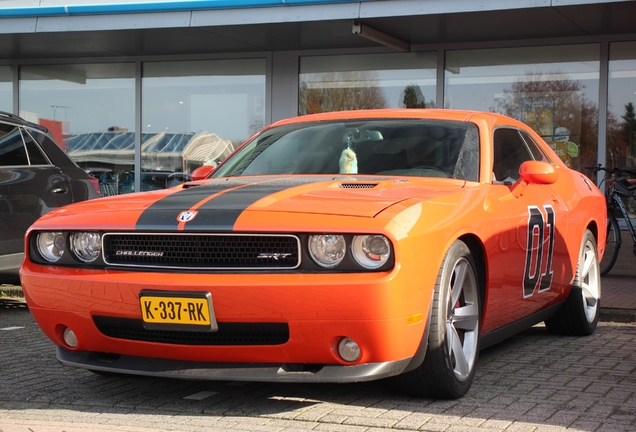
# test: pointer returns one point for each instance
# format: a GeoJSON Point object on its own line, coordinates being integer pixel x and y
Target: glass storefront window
{"type": "Point", "coordinates": [553, 89]}
{"type": "Point", "coordinates": [621, 118]}
{"type": "Point", "coordinates": [6, 89]}
{"type": "Point", "coordinates": [90, 110]}
{"type": "Point", "coordinates": [367, 81]}
{"type": "Point", "coordinates": [195, 113]}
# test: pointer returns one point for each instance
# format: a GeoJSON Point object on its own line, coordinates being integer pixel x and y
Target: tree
{"type": "Point", "coordinates": [413, 97]}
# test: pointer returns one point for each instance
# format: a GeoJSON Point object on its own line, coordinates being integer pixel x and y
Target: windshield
{"type": "Point", "coordinates": [425, 148]}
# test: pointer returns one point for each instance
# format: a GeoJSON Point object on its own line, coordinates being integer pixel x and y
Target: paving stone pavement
{"type": "Point", "coordinates": [532, 382]}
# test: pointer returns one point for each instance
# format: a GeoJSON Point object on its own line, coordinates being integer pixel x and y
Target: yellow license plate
{"type": "Point", "coordinates": [156, 309]}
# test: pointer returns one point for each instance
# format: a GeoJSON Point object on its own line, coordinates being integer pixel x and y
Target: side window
{"type": "Point", "coordinates": [36, 157]}
{"type": "Point", "coordinates": [510, 151]}
{"type": "Point", "coordinates": [536, 150]}
{"type": "Point", "coordinates": [12, 150]}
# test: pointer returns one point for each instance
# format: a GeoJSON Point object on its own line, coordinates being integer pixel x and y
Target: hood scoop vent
{"type": "Point", "coordinates": [190, 185]}
{"type": "Point", "coordinates": [358, 185]}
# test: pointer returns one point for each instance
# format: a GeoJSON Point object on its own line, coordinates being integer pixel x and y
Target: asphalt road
{"type": "Point", "coordinates": [532, 382]}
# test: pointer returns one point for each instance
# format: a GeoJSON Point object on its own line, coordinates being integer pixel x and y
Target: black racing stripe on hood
{"type": "Point", "coordinates": [220, 213]}
{"type": "Point", "coordinates": [162, 215]}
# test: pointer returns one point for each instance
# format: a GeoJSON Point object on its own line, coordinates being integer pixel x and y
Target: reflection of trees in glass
{"type": "Point", "coordinates": [629, 127]}
{"type": "Point", "coordinates": [340, 91]}
{"type": "Point", "coordinates": [571, 109]}
{"type": "Point", "coordinates": [255, 125]}
{"type": "Point", "coordinates": [414, 98]}
{"type": "Point", "coordinates": [565, 92]}
{"type": "Point", "coordinates": [621, 139]}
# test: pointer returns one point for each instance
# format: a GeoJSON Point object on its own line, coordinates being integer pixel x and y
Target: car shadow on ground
{"type": "Point", "coordinates": [528, 380]}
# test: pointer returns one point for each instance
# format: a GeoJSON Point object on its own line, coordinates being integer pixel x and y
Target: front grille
{"type": "Point", "coordinates": [358, 185]}
{"type": "Point", "coordinates": [234, 334]}
{"type": "Point", "coordinates": [202, 251]}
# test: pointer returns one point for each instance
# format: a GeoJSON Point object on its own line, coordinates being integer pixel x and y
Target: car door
{"type": "Point", "coordinates": [30, 186]}
{"type": "Point", "coordinates": [527, 267]}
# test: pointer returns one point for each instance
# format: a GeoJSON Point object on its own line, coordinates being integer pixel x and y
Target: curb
{"type": "Point", "coordinates": [618, 315]}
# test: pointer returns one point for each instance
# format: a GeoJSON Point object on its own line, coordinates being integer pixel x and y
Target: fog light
{"type": "Point", "coordinates": [69, 338]}
{"type": "Point", "coordinates": [348, 349]}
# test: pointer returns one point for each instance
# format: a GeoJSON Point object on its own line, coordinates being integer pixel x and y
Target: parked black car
{"type": "Point", "coordinates": [36, 176]}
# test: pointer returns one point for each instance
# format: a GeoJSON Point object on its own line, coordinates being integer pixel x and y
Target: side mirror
{"type": "Point", "coordinates": [534, 172]}
{"type": "Point", "coordinates": [202, 172]}
{"type": "Point", "coordinates": [537, 172]}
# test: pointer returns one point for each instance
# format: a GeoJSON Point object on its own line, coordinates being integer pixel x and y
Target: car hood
{"type": "Point", "coordinates": [218, 203]}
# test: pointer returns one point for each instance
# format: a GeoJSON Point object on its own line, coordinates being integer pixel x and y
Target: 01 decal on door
{"type": "Point", "coordinates": [538, 224]}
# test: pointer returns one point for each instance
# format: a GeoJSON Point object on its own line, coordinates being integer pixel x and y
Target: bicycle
{"type": "Point", "coordinates": [619, 189]}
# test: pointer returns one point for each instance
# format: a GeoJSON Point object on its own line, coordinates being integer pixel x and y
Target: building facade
{"type": "Point", "coordinates": [141, 92]}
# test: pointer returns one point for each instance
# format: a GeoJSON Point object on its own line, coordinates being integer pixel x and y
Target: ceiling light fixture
{"type": "Point", "coordinates": [380, 37]}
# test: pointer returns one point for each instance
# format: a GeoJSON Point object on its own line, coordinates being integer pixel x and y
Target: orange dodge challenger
{"type": "Point", "coordinates": [336, 247]}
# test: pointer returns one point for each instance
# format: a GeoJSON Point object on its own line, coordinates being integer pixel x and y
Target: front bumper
{"type": "Point", "coordinates": [263, 372]}
{"type": "Point", "coordinates": [385, 314]}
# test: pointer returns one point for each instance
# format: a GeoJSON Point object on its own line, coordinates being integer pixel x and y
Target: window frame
{"type": "Point", "coordinates": [18, 130]}
{"type": "Point", "coordinates": [524, 145]}
{"type": "Point", "coordinates": [35, 147]}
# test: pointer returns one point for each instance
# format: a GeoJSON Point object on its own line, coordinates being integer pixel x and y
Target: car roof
{"type": "Point", "coordinates": [403, 113]}
{"type": "Point", "coordinates": [19, 121]}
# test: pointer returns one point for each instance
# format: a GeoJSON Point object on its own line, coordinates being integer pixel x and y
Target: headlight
{"type": "Point", "coordinates": [371, 251]}
{"type": "Point", "coordinates": [327, 250]}
{"type": "Point", "coordinates": [51, 245]}
{"type": "Point", "coordinates": [86, 246]}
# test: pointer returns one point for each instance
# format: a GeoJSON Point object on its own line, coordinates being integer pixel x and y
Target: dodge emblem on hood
{"type": "Point", "coordinates": [186, 216]}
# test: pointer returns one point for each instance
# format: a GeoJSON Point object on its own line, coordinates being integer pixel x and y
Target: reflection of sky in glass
{"type": "Point", "coordinates": [622, 77]}
{"type": "Point", "coordinates": [91, 107]}
{"type": "Point", "coordinates": [6, 89]}
{"type": "Point", "coordinates": [224, 105]}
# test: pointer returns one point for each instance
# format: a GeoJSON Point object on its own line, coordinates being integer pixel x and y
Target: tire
{"type": "Point", "coordinates": [450, 363]}
{"type": "Point", "coordinates": [579, 315]}
{"type": "Point", "coordinates": [612, 245]}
